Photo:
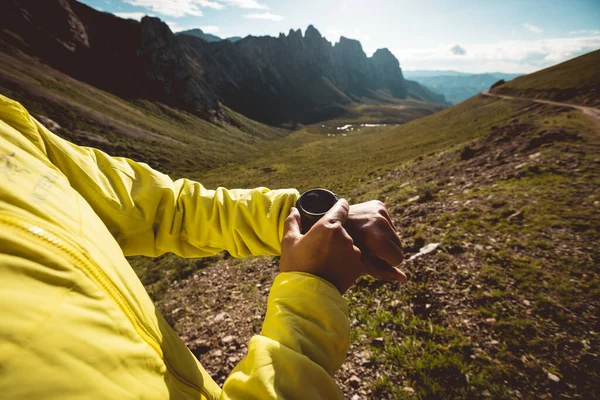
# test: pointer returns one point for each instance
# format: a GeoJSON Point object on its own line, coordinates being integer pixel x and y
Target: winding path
{"type": "Point", "coordinates": [591, 111]}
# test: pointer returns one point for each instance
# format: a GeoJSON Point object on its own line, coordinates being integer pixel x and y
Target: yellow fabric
{"type": "Point", "coordinates": [76, 321]}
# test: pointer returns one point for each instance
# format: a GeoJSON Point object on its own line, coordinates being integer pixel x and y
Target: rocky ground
{"type": "Point", "coordinates": [502, 302]}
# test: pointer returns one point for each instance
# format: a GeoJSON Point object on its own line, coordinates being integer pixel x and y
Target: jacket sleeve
{"type": "Point", "coordinates": [150, 214]}
{"type": "Point", "coordinates": [303, 342]}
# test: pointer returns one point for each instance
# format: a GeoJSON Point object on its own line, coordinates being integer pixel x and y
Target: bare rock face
{"type": "Point", "coordinates": [171, 77]}
{"type": "Point", "coordinates": [289, 79]}
{"type": "Point", "coordinates": [387, 73]}
{"type": "Point", "coordinates": [47, 18]}
{"type": "Point", "coordinates": [352, 72]}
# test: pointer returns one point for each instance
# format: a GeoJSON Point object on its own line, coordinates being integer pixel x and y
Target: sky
{"type": "Point", "coordinates": [512, 36]}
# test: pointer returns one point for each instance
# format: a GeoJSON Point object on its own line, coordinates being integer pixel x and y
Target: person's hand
{"type": "Point", "coordinates": [371, 228]}
{"type": "Point", "coordinates": [326, 250]}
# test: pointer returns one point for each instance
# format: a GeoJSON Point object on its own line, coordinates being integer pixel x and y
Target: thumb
{"type": "Point", "coordinates": [292, 227]}
{"type": "Point", "coordinates": [339, 212]}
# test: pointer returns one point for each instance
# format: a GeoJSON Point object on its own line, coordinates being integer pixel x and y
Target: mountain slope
{"type": "Point", "coordinates": [171, 140]}
{"type": "Point", "coordinates": [575, 81]}
{"type": "Point", "coordinates": [504, 189]}
{"type": "Point", "coordinates": [421, 92]}
{"type": "Point", "coordinates": [282, 80]}
{"type": "Point", "coordinates": [200, 34]}
{"type": "Point", "coordinates": [209, 37]}
{"type": "Point", "coordinates": [505, 307]}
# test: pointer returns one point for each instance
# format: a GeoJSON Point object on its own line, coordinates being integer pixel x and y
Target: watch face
{"type": "Point", "coordinates": [316, 201]}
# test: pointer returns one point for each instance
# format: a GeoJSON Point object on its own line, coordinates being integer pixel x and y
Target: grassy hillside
{"type": "Point", "coordinates": [168, 139]}
{"type": "Point", "coordinates": [575, 81]}
{"type": "Point", "coordinates": [341, 160]}
{"type": "Point", "coordinates": [506, 307]}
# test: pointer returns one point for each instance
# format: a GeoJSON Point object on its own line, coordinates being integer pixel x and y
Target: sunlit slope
{"type": "Point", "coordinates": [328, 157]}
{"type": "Point", "coordinates": [575, 81]}
{"type": "Point", "coordinates": [506, 307]}
{"type": "Point", "coordinates": [170, 140]}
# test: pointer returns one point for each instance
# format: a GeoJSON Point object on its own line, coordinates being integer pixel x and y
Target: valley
{"type": "Point", "coordinates": [503, 306]}
{"type": "Point", "coordinates": [504, 191]}
{"type": "Point", "coordinates": [496, 199]}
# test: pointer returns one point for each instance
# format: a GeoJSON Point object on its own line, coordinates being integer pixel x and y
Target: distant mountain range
{"type": "Point", "coordinates": [457, 86]}
{"type": "Point", "coordinates": [207, 36]}
{"type": "Point", "coordinates": [288, 79]}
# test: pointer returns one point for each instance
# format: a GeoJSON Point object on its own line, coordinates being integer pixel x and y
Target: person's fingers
{"type": "Point", "coordinates": [392, 232]}
{"type": "Point", "coordinates": [389, 251]}
{"type": "Point", "coordinates": [383, 212]}
{"type": "Point", "coordinates": [338, 213]}
{"type": "Point", "coordinates": [381, 270]}
{"type": "Point", "coordinates": [292, 226]}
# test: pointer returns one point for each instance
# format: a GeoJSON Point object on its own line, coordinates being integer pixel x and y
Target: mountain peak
{"type": "Point", "coordinates": [349, 45]}
{"type": "Point", "coordinates": [312, 32]}
{"type": "Point", "coordinates": [385, 56]}
{"type": "Point", "coordinates": [192, 31]}
{"type": "Point", "coordinates": [295, 33]}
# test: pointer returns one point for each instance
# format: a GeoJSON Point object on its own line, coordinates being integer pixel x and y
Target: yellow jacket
{"type": "Point", "coordinates": [75, 321]}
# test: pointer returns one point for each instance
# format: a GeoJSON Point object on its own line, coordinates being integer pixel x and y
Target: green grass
{"type": "Point", "coordinates": [173, 141]}
{"type": "Point", "coordinates": [309, 158]}
{"type": "Point", "coordinates": [519, 261]}
{"type": "Point", "coordinates": [572, 81]}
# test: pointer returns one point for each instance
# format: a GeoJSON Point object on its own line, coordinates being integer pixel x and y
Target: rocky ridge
{"type": "Point", "coordinates": [289, 79]}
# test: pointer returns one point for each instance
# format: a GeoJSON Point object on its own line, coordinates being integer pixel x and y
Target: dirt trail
{"type": "Point", "coordinates": [591, 111]}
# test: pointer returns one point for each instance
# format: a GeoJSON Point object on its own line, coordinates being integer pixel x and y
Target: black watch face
{"type": "Point", "coordinates": [317, 201]}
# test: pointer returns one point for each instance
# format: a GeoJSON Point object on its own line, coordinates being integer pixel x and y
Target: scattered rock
{"type": "Point", "coordinates": [199, 347]}
{"type": "Point", "coordinates": [468, 152]}
{"type": "Point", "coordinates": [516, 216]}
{"type": "Point", "coordinates": [490, 321]}
{"type": "Point", "coordinates": [228, 339]}
{"type": "Point", "coordinates": [535, 156]}
{"type": "Point", "coordinates": [553, 377]}
{"type": "Point", "coordinates": [221, 316]}
{"type": "Point", "coordinates": [48, 123]}
{"type": "Point", "coordinates": [431, 247]}
{"type": "Point", "coordinates": [413, 199]}
{"type": "Point", "coordinates": [354, 381]}
{"type": "Point", "coordinates": [408, 389]}
{"type": "Point", "coordinates": [178, 311]}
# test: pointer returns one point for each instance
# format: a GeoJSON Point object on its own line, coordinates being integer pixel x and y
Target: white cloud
{"type": "Point", "coordinates": [210, 29]}
{"type": "Point", "coordinates": [533, 28]}
{"type": "Point", "coordinates": [585, 32]}
{"type": "Point", "coordinates": [518, 56]}
{"type": "Point", "coordinates": [211, 4]}
{"type": "Point", "coordinates": [181, 8]}
{"type": "Point", "coordinates": [172, 8]}
{"type": "Point", "coordinates": [132, 15]}
{"type": "Point", "coordinates": [175, 27]}
{"type": "Point", "coordinates": [252, 4]}
{"type": "Point", "coordinates": [265, 15]}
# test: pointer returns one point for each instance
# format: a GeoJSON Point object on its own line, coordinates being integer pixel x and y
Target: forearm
{"type": "Point", "coordinates": [303, 343]}
{"type": "Point", "coordinates": [150, 214]}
